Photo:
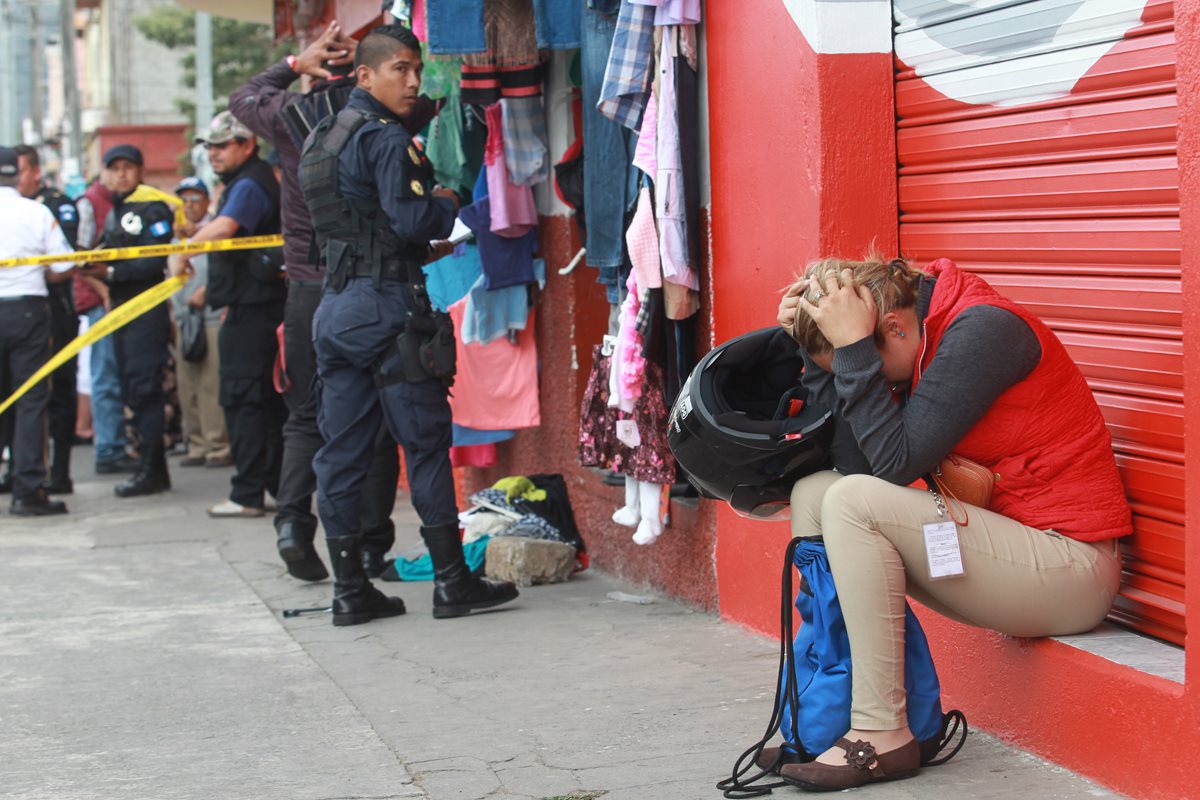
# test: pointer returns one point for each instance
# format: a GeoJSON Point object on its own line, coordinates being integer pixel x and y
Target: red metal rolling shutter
{"type": "Point", "coordinates": [1036, 145]}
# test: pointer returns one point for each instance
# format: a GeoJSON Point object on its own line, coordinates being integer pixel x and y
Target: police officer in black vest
{"type": "Point", "coordinates": [64, 324]}
{"type": "Point", "coordinates": [249, 285]}
{"type": "Point", "coordinates": [382, 354]}
{"type": "Point", "coordinates": [138, 218]}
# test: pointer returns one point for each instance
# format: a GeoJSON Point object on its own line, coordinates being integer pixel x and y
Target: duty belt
{"type": "Point", "coordinates": [390, 271]}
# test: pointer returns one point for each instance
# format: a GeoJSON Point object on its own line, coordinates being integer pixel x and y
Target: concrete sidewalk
{"type": "Point", "coordinates": [143, 656]}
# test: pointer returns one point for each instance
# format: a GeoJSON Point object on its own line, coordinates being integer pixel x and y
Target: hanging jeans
{"type": "Point", "coordinates": [557, 24]}
{"type": "Point", "coordinates": [608, 192]}
{"type": "Point", "coordinates": [456, 26]}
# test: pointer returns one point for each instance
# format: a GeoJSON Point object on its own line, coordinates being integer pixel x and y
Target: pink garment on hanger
{"type": "Point", "coordinates": [644, 157]}
{"type": "Point", "coordinates": [642, 239]}
{"type": "Point", "coordinates": [496, 387]}
{"type": "Point", "coordinates": [668, 186]}
{"type": "Point", "coordinates": [418, 20]}
{"type": "Point", "coordinates": [628, 363]}
{"type": "Point", "coordinates": [513, 211]}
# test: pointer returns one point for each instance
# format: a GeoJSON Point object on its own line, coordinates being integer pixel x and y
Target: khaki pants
{"type": "Point", "coordinates": [1017, 580]}
{"type": "Point", "coordinates": [199, 384]}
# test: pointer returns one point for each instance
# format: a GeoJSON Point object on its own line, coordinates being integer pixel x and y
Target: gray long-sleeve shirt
{"type": "Point", "coordinates": [983, 352]}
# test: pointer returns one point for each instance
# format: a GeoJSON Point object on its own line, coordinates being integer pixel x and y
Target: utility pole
{"type": "Point", "coordinates": [204, 93]}
{"type": "Point", "coordinates": [73, 156]}
{"type": "Point", "coordinates": [36, 66]}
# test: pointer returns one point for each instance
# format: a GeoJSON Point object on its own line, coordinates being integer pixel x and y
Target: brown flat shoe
{"type": "Point", "coordinates": [863, 766]}
{"type": "Point", "coordinates": [769, 759]}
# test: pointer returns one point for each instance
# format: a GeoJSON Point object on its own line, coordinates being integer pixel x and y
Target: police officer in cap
{"type": "Point", "coordinates": [64, 324]}
{"type": "Point", "coordinates": [140, 216]}
{"type": "Point", "coordinates": [249, 285]}
{"type": "Point", "coordinates": [381, 354]}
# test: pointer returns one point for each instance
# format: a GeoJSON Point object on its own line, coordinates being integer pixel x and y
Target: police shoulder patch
{"type": "Point", "coordinates": [160, 228]}
{"type": "Point", "coordinates": [66, 212]}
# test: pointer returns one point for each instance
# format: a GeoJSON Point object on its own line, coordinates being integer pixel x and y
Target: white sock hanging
{"type": "Point", "coordinates": [628, 514]}
{"type": "Point", "coordinates": [650, 500]}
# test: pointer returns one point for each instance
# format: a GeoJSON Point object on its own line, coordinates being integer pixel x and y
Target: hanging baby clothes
{"type": "Point", "coordinates": [628, 362]}
{"type": "Point", "coordinates": [669, 187]}
{"type": "Point", "coordinates": [524, 133]}
{"type": "Point", "coordinates": [652, 461]}
{"type": "Point", "coordinates": [448, 279]}
{"type": "Point", "coordinates": [445, 146]}
{"type": "Point", "coordinates": [513, 211]}
{"type": "Point", "coordinates": [629, 72]}
{"type": "Point", "coordinates": [494, 313]}
{"type": "Point", "coordinates": [642, 239]}
{"type": "Point", "coordinates": [418, 20]}
{"type": "Point", "coordinates": [497, 383]}
{"type": "Point", "coordinates": [506, 261]}
{"type": "Point", "coordinates": [673, 12]}
{"type": "Point", "coordinates": [644, 156]}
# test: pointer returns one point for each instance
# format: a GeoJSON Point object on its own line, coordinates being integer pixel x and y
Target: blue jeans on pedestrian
{"type": "Point", "coordinates": [108, 407]}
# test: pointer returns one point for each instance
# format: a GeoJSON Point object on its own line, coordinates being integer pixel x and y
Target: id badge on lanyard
{"type": "Point", "coordinates": [942, 548]}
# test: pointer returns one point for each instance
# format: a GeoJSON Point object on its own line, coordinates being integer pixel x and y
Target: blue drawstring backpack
{"type": "Point", "coordinates": [812, 701]}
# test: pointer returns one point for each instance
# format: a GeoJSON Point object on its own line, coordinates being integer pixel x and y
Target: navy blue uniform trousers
{"type": "Point", "coordinates": [302, 439]}
{"type": "Point", "coordinates": [352, 329]}
{"type": "Point", "coordinates": [141, 348]}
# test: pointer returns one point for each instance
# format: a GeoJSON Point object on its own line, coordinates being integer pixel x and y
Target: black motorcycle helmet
{"type": "Point", "coordinates": [741, 429]}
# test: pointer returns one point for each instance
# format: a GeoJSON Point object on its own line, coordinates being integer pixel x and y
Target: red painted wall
{"type": "Point", "coordinates": [803, 165]}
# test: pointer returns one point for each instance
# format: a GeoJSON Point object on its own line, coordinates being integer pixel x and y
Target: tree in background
{"type": "Point", "coordinates": [241, 50]}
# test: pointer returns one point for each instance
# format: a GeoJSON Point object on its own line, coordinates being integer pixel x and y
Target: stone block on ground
{"type": "Point", "coordinates": [527, 562]}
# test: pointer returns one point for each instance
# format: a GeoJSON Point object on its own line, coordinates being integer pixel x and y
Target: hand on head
{"type": "Point", "coordinates": [844, 311]}
{"type": "Point", "coordinates": [332, 47]}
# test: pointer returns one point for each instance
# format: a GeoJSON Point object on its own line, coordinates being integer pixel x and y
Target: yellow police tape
{"type": "Point", "coordinates": [131, 309]}
{"type": "Point", "coordinates": [145, 251]}
{"type": "Point", "coordinates": [121, 315]}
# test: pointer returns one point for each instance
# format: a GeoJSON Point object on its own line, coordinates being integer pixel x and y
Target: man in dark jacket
{"type": "Point", "coordinates": [249, 285]}
{"type": "Point", "coordinates": [283, 118]}
{"type": "Point", "coordinates": [141, 345]}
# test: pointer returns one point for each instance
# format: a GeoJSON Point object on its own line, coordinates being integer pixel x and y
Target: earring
{"type": "Point", "coordinates": [901, 333]}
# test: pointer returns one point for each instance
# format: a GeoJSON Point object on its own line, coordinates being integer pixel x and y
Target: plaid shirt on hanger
{"type": "Point", "coordinates": [630, 66]}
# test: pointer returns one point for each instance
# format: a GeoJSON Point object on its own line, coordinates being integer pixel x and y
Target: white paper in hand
{"type": "Point", "coordinates": [460, 233]}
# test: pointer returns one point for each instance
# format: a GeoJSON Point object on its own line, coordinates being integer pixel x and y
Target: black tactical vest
{"type": "Point", "coordinates": [354, 238]}
{"type": "Point", "coordinates": [249, 277]}
{"type": "Point", "coordinates": [64, 211]}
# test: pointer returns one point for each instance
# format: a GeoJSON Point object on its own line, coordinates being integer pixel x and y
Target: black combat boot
{"type": "Point", "coordinates": [151, 477]}
{"type": "Point", "coordinates": [59, 479]}
{"type": "Point", "coordinates": [355, 600]}
{"type": "Point", "coordinates": [456, 591]}
{"type": "Point", "coordinates": [295, 544]}
{"type": "Point", "coordinates": [375, 564]}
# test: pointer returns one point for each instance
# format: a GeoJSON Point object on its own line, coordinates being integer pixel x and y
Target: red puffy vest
{"type": "Point", "coordinates": [1044, 436]}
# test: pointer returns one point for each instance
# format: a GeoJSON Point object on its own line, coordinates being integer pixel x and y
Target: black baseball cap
{"type": "Point", "coordinates": [9, 163]}
{"type": "Point", "coordinates": [125, 151]}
